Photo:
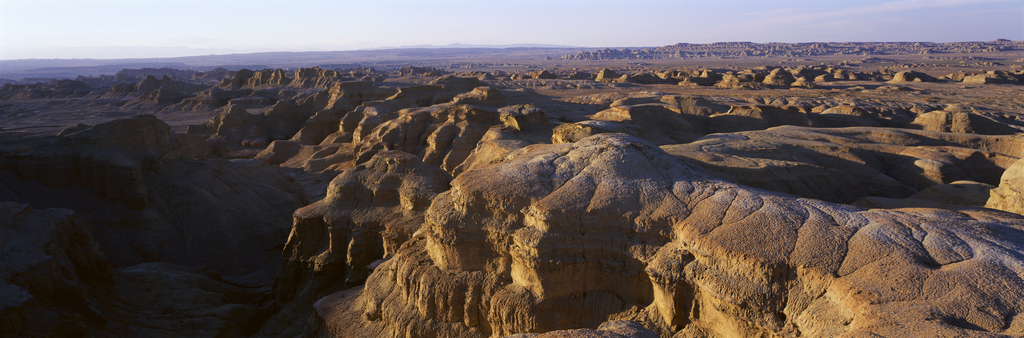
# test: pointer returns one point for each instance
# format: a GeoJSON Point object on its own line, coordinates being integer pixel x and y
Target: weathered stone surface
{"type": "Point", "coordinates": [842, 165]}
{"type": "Point", "coordinates": [369, 212]}
{"type": "Point", "coordinates": [757, 117]}
{"type": "Point", "coordinates": [618, 229]}
{"type": "Point", "coordinates": [911, 76]}
{"type": "Point", "coordinates": [654, 122]}
{"type": "Point", "coordinates": [442, 135]}
{"type": "Point", "coordinates": [150, 200]}
{"type": "Point", "coordinates": [960, 122]}
{"type": "Point", "coordinates": [485, 96]}
{"type": "Point", "coordinates": [1008, 195]}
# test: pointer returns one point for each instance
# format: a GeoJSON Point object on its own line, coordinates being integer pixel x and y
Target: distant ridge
{"type": "Point", "coordinates": [462, 45]}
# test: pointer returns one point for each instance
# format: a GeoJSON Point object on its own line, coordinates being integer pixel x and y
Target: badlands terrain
{"type": "Point", "coordinates": [715, 190]}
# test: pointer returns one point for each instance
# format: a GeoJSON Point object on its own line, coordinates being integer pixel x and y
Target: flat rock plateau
{"type": "Point", "coordinates": [691, 190]}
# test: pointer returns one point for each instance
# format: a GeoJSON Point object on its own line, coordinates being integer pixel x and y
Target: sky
{"type": "Point", "coordinates": [47, 29]}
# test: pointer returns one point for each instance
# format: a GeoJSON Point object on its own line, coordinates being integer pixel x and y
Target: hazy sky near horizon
{"type": "Point", "coordinates": [168, 28]}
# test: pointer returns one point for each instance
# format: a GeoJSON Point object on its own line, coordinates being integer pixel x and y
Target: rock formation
{"type": "Point", "coordinates": [842, 165]}
{"type": "Point", "coordinates": [149, 200]}
{"type": "Point", "coordinates": [570, 235]}
{"type": "Point", "coordinates": [1007, 195]}
{"type": "Point", "coordinates": [442, 135]}
{"type": "Point", "coordinates": [369, 212]}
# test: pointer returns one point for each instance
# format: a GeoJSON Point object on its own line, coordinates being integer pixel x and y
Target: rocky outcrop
{"type": "Point", "coordinates": [281, 121]}
{"type": "Point", "coordinates": [911, 76]}
{"type": "Point", "coordinates": [654, 122]}
{"type": "Point", "coordinates": [845, 116]}
{"type": "Point", "coordinates": [755, 117]}
{"type": "Point", "coordinates": [522, 126]}
{"type": "Point", "coordinates": [608, 75]}
{"type": "Point", "coordinates": [151, 200]}
{"type": "Point", "coordinates": [842, 165]}
{"type": "Point", "coordinates": [442, 135]}
{"type": "Point", "coordinates": [209, 100]}
{"type": "Point", "coordinates": [485, 96]}
{"type": "Point", "coordinates": [571, 235]}
{"type": "Point", "coordinates": [779, 77]}
{"type": "Point", "coordinates": [440, 90]}
{"type": "Point", "coordinates": [961, 122]}
{"type": "Point", "coordinates": [315, 78]}
{"type": "Point", "coordinates": [1007, 196]}
{"type": "Point", "coordinates": [369, 212]}
{"type": "Point", "coordinates": [256, 79]}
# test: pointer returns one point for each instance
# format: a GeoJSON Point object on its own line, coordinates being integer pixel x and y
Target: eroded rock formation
{"type": "Point", "coordinates": [571, 235]}
{"type": "Point", "coordinates": [154, 196]}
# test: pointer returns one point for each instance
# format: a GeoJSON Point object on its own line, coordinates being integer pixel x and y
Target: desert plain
{"type": "Point", "coordinates": [689, 190]}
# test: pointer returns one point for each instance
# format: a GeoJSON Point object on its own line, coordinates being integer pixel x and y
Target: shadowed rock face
{"type": "Point", "coordinates": [570, 235]}
{"type": "Point", "coordinates": [55, 282]}
{"type": "Point", "coordinates": [154, 196]}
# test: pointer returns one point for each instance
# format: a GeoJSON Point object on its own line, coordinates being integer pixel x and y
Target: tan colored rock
{"type": "Point", "coordinates": [960, 122]}
{"type": "Point", "coordinates": [442, 135]}
{"type": "Point", "coordinates": [523, 125]}
{"type": "Point", "coordinates": [544, 74]}
{"type": "Point", "coordinates": [608, 75]}
{"type": "Point", "coordinates": [845, 116]}
{"type": "Point", "coordinates": [756, 117]}
{"type": "Point", "coordinates": [654, 122]}
{"type": "Point", "coordinates": [778, 77]}
{"type": "Point", "coordinates": [369, 212]}
{"type": "Point", "coordinates": [485, 96]}
{"type": "Point", "coordinates": [572, 132]}
{"type": "Point", "coordinates": [842, 165]}
{"type": "Point", "coordinates": [911, 76]}
{"type": "Point", "coordinates": [618, 229]}
{"type": "Point", "coordinates": [256, 79]}
{"type": "Point", "coordinates": [1008, 195]}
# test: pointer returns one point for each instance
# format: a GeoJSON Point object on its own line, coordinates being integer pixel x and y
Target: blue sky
{"type": "Point", "coordinates": [164, 28]}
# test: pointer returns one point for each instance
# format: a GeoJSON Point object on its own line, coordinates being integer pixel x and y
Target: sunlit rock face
{"type": "Point", "coordinates": [610, 227]}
